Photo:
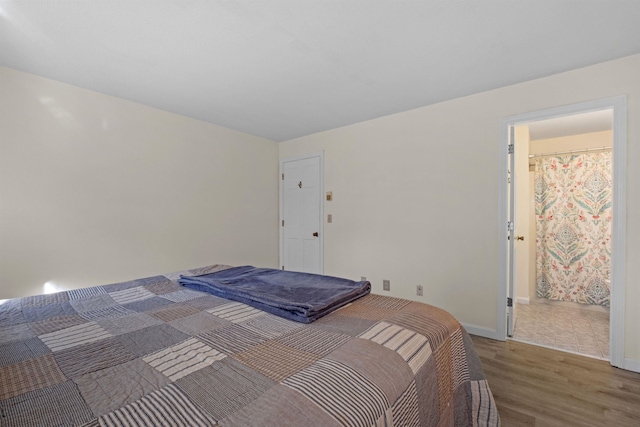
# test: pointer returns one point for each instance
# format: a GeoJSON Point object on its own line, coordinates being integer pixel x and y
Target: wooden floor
{"type": "Point", "coordinates": [536, 386]}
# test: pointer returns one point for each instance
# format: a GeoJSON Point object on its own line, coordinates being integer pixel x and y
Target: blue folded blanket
{"type": "Point", "coordinates": [302, 297]}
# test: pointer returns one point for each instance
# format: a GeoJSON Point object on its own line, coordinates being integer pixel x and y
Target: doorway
{"type": "Point", "coordinates": [513, 296]}
{"type": "Point", "coordinates": [563, 215]}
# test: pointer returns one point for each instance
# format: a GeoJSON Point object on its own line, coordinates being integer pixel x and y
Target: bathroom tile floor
{"type": "Point", "coordinates": [577, 330]}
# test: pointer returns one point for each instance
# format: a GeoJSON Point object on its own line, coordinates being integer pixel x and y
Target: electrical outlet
{"type": "Point", "coordinates": [386, 285]}
{"type": "Point", "coordinates": [419, 290]}
{"type": "Point", "coordinates": [363, 279]}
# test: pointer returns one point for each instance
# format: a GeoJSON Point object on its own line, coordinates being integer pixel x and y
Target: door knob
{"type": "Point", "coordinates": [520, 238]}
{"type": "Point", "coordinates": [315, 234]}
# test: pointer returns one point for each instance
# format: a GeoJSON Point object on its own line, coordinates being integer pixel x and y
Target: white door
{"type": "Point", "coordinates": [301, 220]}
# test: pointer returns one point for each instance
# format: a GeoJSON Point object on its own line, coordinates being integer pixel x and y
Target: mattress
{"type": "Point", "coordinates": [151, 352]}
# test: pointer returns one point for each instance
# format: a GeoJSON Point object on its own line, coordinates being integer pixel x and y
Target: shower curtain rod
{"type": "Point", "coordinates": [584, 150]}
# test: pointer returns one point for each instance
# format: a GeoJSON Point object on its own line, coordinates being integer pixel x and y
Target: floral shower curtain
{"type": "Point", "coordinates": [573, 227]}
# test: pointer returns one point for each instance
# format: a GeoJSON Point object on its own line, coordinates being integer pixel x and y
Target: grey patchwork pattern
{"type": "Point", "coordinates": [15, 333]}
{"type": "Point", "coordinates": [11, 313]}
{"type": "Point", "coordinates": [147, 304]}
{"type": "Point", "coordinates": [182, 295]}
{"type": "Point", "coordinates": [18, 351]}
{"type": "Point", "coordinates": [165, 407]}
{"type": "Point", "coordinates": [91, 357]}
{"type": "Point", "coordinates": [46, 299]}
{"type": "Point", "coordinates": [224, 387]}
{"type": "Point", "coordinates": [35, 314]}
{"type": "Point", "coordinates": [112, 388]}
{"type": "Point", "coordinates": [198, 323]}
{"type": "Point", "coordinates": [76, 294]}
{"type": "Point", "coordinates": [206, 302]}
{"type": "Point", "coordinates": [232, 339]}
{"type": "Point", "coordinates": [271, 326]}
{"type": "Point", "coordinates": [106, 313]}
{"type": "Point", "coordinates": [55, 324]}
{"type": "Point", "coordinates": [58, 405]}
{"type": "Point", "coordinates": [116, 287]}
{"type": "Point", "coordinates": [163, 287]}
{"type": "Point", "coordinates": [151, 339]}
{"type": "Point", "coordinates": [314, 340]}
{"type": "Point", "coordinates": [347, 325]}
{"type": "Point", "coordinates": [93, 302]}
{"type": "Point", "coordinates": [129, 323]}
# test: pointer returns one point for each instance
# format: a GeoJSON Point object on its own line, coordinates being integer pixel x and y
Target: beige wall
{"type": "Point", "coordinates": [573, 142]}
{"type": "Point", "coordinates": [416, 193]}
{"type": "Point", "coordinates": [521, 215]}
{"type": "Point", "coordinates": [95, 189]}
{"type": "Point", "coordinates": [532, 241]}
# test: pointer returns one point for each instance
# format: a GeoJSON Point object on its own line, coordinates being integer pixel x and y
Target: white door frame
{"type": "Point", "coordinates": [511, 233]}
{"type": "Point", "coordinates": [618, 232]}
{"type": "Point", "coordinates": [319, 154]}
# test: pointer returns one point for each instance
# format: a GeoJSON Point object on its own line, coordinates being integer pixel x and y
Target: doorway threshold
{"type": "Point", "coordinates": [577, 353]}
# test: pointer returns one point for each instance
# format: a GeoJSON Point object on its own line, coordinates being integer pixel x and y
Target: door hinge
{"type": "Point", "coordinates": [509, 302]}
{"type": "Point", "coordinates": [510, 149]}
{"type": "Point", "coordinates": [283, 177]}
{"type": "Point", "coordinates": [283, 222]}
{"type": "Point", "coordinates": [510, 226]}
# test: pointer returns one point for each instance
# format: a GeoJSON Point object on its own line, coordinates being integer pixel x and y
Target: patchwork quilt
{"type": "Point", "coordinates": [149, 352]}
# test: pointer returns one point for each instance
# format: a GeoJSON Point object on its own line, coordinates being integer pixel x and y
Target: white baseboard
{"type": "Point", "coordinates": [522, 300]}
{"type": "Point", "coordinates": [481, 331]}
{"type": "Point", "coordinates": [631, 365]}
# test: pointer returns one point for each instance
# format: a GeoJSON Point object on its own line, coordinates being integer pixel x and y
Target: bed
{"type": "Point", "coordinates": [152, 352]}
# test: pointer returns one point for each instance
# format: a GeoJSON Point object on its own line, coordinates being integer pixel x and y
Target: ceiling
{"type": "Point", "coordinates": [281, 69]}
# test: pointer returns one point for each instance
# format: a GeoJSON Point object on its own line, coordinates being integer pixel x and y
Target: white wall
{"type": "Point", "coordinates": [416, 193]}
{"type": "Point", "coordinates": [95, 189]}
